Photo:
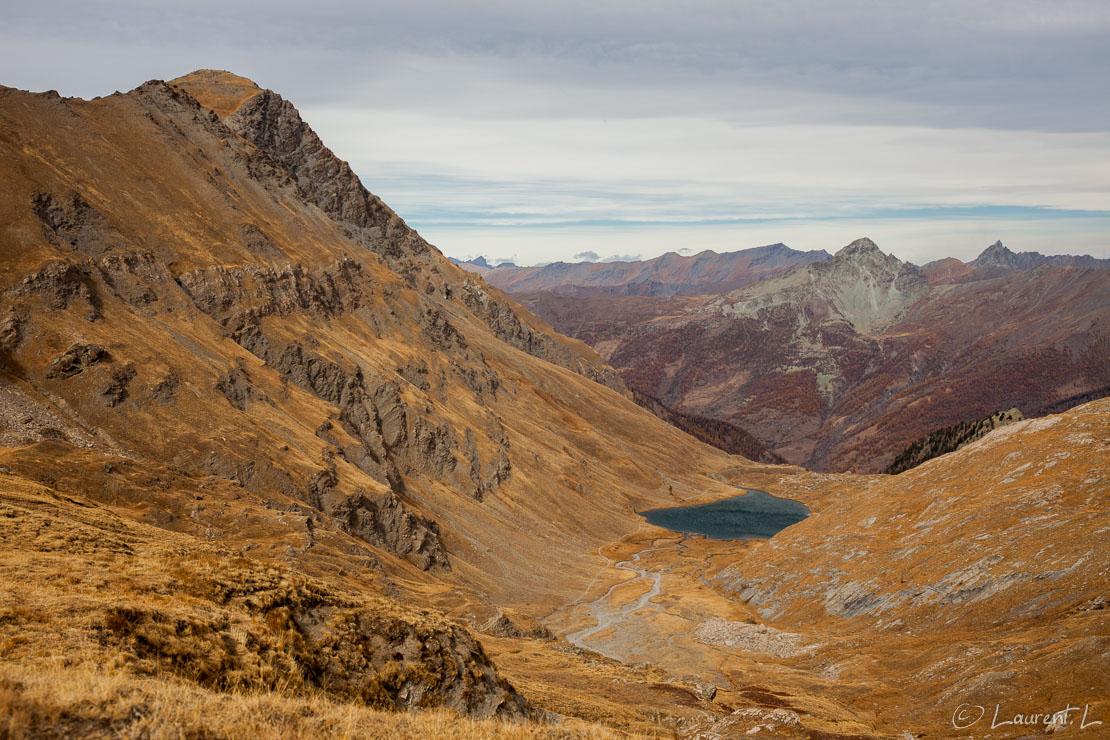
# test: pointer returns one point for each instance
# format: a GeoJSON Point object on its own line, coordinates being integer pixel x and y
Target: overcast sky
{"type": "Point", "coordinates": [542, 131]}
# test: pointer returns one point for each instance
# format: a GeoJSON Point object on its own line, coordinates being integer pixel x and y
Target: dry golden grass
{"type": "Point", "coordinates": [60, 701]}
{"type": "Point", "coordinates": [113, 628]}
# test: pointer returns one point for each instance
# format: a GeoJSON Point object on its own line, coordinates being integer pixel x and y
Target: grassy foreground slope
{"type": "Point", "coordinates": [110, 627]}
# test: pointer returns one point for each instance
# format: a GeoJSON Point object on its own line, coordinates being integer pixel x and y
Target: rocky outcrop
{"type": "Point", "coordinates": [312, 642]}
{"type": "Point", "coordinates": [387, 523]}
{"type": "Point", "coordinates": [115, 392]}
{"type": "Point", "coordinates": [235, 385]}
{"type": "Point", "coordinates": [440, 331]}
{"type": "Point", "coordinates": [346, 389]}
{"type": "Point", "coordinates": [165, 389]}
{"type": "Point", "coordinates": [273, 125]}
{"type": "Point", "coordinates": [60, 283]}
{"type": "Point", "coordinates": [11, 332]}
{"type": "Point", "coordinates": [75, 360]}
{"type": "Point", "coordinates": [491, 476]}
{"type": "Point", "coordinates": [69, 221]}
{"type": "Point", "coordinates": [478, 377]}
{"type": "Point", "coordinates": [136, 277]}
{"type": "Point", "coordinates": [507, 326]}
{"type": "Point", "coordinates": [231, 294]}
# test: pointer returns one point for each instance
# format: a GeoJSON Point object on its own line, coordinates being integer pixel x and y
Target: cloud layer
{"type": "Point", "coordinates": [630, 127]}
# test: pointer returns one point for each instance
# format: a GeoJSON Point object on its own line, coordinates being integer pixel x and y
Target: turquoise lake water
{"type": "Point", "coordinates": [754, 515]}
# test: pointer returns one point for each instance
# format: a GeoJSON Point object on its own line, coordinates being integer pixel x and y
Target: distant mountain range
{"type": "Point", "coordinates": [669, 274]}
{"type": "Point", "coordinates": [711, 272]}
{"type": "Point", "coordinates": [840, 364]}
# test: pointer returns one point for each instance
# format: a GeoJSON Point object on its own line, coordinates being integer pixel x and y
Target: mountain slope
{"type": "Point", "coordinates": [193, 285]}
{"type": "Point", "coordinates": [720, 434]}
{"type": "Point", "coordinates": [977, 578]}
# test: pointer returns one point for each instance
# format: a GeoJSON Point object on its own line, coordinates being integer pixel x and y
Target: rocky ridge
{"type": "Point", "coordinates": [999, 255]}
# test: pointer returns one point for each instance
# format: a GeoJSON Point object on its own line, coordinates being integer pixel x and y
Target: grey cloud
{"type": "Point", "coordinates": [378, 70]}
{"type": "Point", "coordinates": [587, 256]}
{"type": "Point", "coordinates": [996, 63]}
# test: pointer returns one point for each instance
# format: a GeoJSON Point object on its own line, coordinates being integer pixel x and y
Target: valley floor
{"type": "Point", "coordinates": [861, 621]}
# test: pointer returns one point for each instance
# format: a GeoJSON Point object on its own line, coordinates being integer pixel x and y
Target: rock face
{"type": "Point", "coordinates": [821, 363]}
{"type": "Point", "coordinates": [671, 274]}
{"type": "Point", "coordinates": [74, 360]}
{"type": "Point", "coordinates": [860, 286]}
{"type": "Point", "coordinates": [273, 125]}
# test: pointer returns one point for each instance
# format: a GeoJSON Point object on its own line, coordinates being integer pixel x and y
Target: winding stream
{"type": "Point", "coordinates": [605, 617]}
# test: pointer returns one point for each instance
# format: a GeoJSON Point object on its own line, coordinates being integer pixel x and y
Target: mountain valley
{"type": "Point", "coordinates": [271, 464]}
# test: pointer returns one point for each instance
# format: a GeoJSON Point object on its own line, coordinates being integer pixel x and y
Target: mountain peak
{"type": "Point", "coordinates": [997, 255]}
{"type": "Point", "coordinates": [995, 251]}
{"type": "Point", "coordinates": [218, 89]}
{"type": "Point", "coordinates": [863, 246]}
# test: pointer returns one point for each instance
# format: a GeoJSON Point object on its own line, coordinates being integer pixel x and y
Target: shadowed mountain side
{"type": "Point", "coordinates": [949, 439]}
{"type": "Point", "coordinates": [722, 435]}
